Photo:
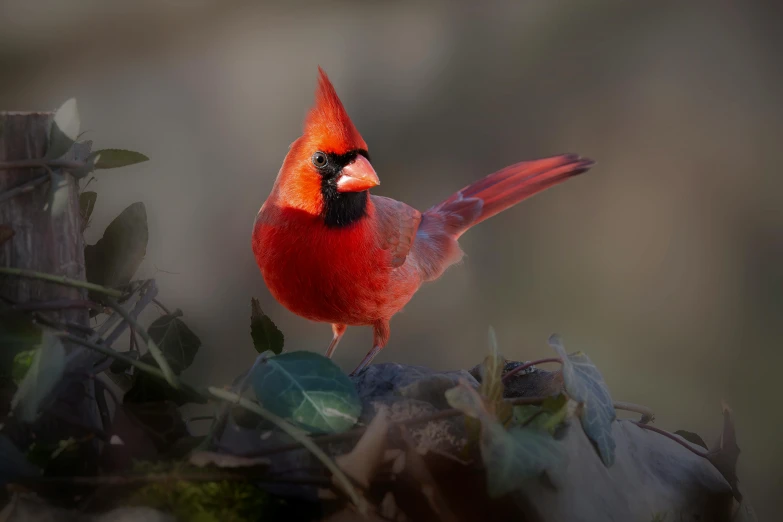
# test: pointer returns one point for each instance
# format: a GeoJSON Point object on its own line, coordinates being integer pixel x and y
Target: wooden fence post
{"type": "Point", "coordinates": [40, 242]}
{"type": "Point", "coordinates": [54, 245]}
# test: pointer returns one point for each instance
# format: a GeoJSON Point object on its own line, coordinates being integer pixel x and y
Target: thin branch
{"type": "Point", "coordinates": [647, 414]}
{"type": "Point", "coordinates": [25, 187]}
{"type": "Point", "coordinates": [528, 364]}
{"type": "Point", "coordinates": [41, 164]}
{"type": "Point", "coordinates": [682, 442]}
{"type": "Point", "coordinates": [238, 388]}
{"type": "Point", "coordinates": [298, 435]}
{"type": "Point", "coordinates": [57, 304]}
{"type": "Point", "coordinates": [105, 350]}
{"type": "Point", "coordinates": [60, 280]}
{"type": "Point", "coordinates": [126, 480]}
{"type": "Point", "coordinates": [162, 307]}
{"type": "Point", "coordinates": [168, 374]}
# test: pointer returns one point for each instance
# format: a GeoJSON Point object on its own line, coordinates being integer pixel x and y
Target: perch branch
{"type": "Point", "coordinates": [60, 280]}
{"type": "Point", "coordinates": [528, 364]}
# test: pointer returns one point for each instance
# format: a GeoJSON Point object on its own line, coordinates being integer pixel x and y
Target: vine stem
{"type": "Point", "coordinates": [168, 374]}
{"type": "Point", "coordinates": [125, 480]}
{"type": "Point", "coordinates": [675, 438]}
{"type": "Point", "coordinates": [297, 435]}
{"type": "Point", "coordinates": [60, 280]}
{"type": "Point", "coordinates": [41, 163]}
{"type": "Point", "coordinates": [528, 364]}
{"type": "Point", "coordinates": [24, 187]}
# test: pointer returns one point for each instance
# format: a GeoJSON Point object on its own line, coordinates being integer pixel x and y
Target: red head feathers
{"type": "Point", "coordinates": [328, 124]}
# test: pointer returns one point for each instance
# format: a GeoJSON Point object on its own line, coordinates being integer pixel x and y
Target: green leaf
{"type": "Point", "coordinates": [584, 383]}
{"type": "Point", "coordinates": [177, 342]}
{"type": "Point", "coordinates": [6, 233]}
{"type": "Point", "coordinates": [87, 204]}
{"type": "Point", "coordinates": [64, 131]}
{"type": "Point", "coordinates": [266, 335]}
{"type": "Point", "coordinates": [18, 333]}
{"type": "Point", "coordinates": [691, 437]}
{"type": "Point", "coordinates": [115, 158]}
{"type": "Point", "coordinates": [15, 465]}
{"type": "Point", "coordinates": [22, 362]}
{"type": "Point", "coordinates": [44, 373]}
{"type": "Point", "coordinates": [114, 259]}
{"type": "Point", "coordinates": [308, 389]}
{"type": "Point", "coordinates": [58, 194]}
{"type": "Point", "coordinates": [547, 416]}
{"type": "Point", "coordinates": [512, 457]}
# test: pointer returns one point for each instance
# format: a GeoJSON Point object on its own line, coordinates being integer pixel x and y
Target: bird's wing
{"type": "Point", "coordinates": [397, 226]}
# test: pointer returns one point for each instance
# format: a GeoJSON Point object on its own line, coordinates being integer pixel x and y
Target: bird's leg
{"type": "Point", "coordinates": [338, 330]}
{"type": "Point", "coordinates": [381, 333]}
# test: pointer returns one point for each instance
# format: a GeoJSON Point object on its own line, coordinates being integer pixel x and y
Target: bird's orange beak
{"type": "Point", "coordinates": [357, 176]}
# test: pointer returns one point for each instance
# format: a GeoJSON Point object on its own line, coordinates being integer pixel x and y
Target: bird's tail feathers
{"type": "Point", "coordinates": [505, 188]}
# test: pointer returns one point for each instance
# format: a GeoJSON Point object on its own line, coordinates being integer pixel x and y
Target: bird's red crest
{"type": "Point", "coordinates": [328, 124]}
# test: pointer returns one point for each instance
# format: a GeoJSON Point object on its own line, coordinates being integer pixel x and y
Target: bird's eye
{"type": "Point", "coordinates": [319, 159]}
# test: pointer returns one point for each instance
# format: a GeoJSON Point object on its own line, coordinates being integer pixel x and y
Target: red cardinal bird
{"type": "Point", "coordinates": [331, 252]}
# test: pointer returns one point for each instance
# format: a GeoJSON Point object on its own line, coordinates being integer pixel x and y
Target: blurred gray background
{"type": "Point", "coordinates": [664, 263]}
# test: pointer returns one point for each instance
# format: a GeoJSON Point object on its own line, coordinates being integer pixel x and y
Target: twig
{"type": "Point", "coordinates": [528, 364]}
{"type": "Point", "coordinates": [41, 163]}
{"type": "Point", "coordinates": [239, 389]}
{"type": "Point", "coordinates": [647, 414]}
{"type": "Point", "coordinates": [57, 304]}
{"type": "Point", "coordinates": [60, 280]}
{"type": "Point", "coordinates": [126, 480]}
{"type": "Point", "coordinates": [25, 187]}
{"type": "Point", "coordinates": [298, 435]}
{"type": "Point", "coordinates": [105, 350]}
{"type": "Point", "coordinates": [168, 374]}
{"type": "Point", "coordinates": [100, 400]}
{"type": "Point", "coordinates": [682, 442]}
{"type": "Point", "coordinates": [162, 307]}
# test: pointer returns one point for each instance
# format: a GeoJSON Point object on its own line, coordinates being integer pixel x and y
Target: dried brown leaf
{"type": "Point", "coordinates": [363, 461]}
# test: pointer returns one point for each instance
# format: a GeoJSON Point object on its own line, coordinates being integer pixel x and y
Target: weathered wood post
{"type": "Point", "coordinates": [44, 243]}
{"type": "Point", "coordinates": [41, 242]}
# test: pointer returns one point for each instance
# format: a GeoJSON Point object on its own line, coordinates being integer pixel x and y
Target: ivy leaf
{"type": "Point", "coordinates": [114, 259]}
{"type": "Point", "coordinates": [547, 416]}
{"type": "Point", "coordinates": [15, 465]}
{"type": "Point", "coordinates": [265, 333]}
{"type": "Point", "coordinates": [45, 372]}
{"type": "Point", "coordinates": [584, 383]}
{"type": "Point", "coordinates": [87, 204]}
{"type": "Point", "coordinates": [64, 131]}
{"type": "Point", "coordinates": [308, 389]}
{"type": "Point", "coordinates": [510, 457]}
{"type": "Point", "coordinates": [6, 233]}
{"type": "Point", "coordinates": [22, 362]}
{"type": "Point", "coordinates": [691, 437]}
{"type": "Point", "coordinates": [515, 456]}
{"type": "Point", "coordinates": [58, 194]}
{"type": "Point", "coordinates": [177, 342]}
{"type": "Point", "coordinates": [116, 158]}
